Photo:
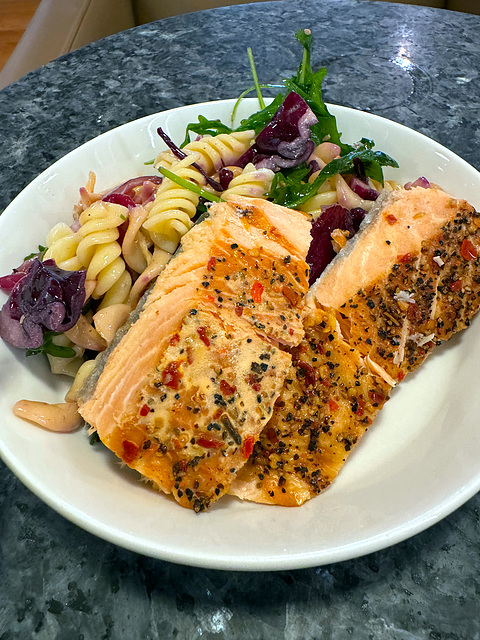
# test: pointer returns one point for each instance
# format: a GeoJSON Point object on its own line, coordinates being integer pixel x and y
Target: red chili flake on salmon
{"type": "Point", "coordinates": [456, 285]}
{"type": "Point", "coordinates": [333, 406]}
{"type": "Point", "coordinates": [171, 375]}
{"type": "Point", "coordinates": [376, 397]}
{"type": "Point", "coordinates": [309, 372]}
{"type": "Point", "coordinates": [211, 264]}
{"type": "Point", "coordinates": [209, 443]}
{"type": "Point", "coordinates": [130, 451]}
{"type": "Point", "coordinates": [358, 407]}
{"type": "Point", "coordinates": [326, 382]}
{"type": "Point", "coordinates": [175, 339]}
{"type": "Point", "coordinates": [253, 382]}
{"type": "Point", "coordinates": [145, 410]}
{"type": "Point", "coordinates": [271, 435]}
{"type": "Point", "coordinates": [468, 250]}
{"type": "Point", "coordinates": [202, 332]}
{"type": "Point", "coordinates": [256, 292]}
{"type": "Point", "coordinates": [210, 298]}
{"type": "Point", "coordinates": [390, 218]}
{"type": "Point", "coordinates": [405, 258]}
{"type": "Point", "coordinates": [247, 447]}
{"type": "Point", "coordinates": [227, 389]}
{"type": "Point", "coordinates": [239, 310]}
{"type": "Point", "coordinates": [401, 375]}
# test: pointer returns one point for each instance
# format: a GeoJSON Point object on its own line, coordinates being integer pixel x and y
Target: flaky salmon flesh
{"type": "Point", "coordinates": [185, 393]}
{"type": "Point", "coordinates": [409, 280]}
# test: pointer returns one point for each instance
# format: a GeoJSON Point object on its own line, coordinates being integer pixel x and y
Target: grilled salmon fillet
{"type": "Point", "coordinates": [407, 281]}
{"type": "Point", "coordinates": [410, 279]}
{"type": "Point", "coordinates": [185, 392]}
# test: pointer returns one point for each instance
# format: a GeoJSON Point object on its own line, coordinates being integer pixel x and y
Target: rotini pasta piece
{"type": "Point", "coordinates": [313, 205]}
{"type": "Point", "coordinates": [85, 335]}
{"type": "Point", "coordinates": [214, 152]}
{"type": "Point", "coordinates": [98, 251]}
{"type": "Point", "coordinates": [170, 215]}
{"type": "Point", "coordinates": [252, 183]}
{"type": "Point", "coordinates": [87, 195]}
{"type": "Point", "coordinates": [62, 245]}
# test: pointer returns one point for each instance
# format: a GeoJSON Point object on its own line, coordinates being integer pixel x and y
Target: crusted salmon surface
{"type": "Point", "coordinates": [328, 401]}
{"type": "Point", "coordinates": [409, 281]}
{"type": "Point", "coordinates": [187, 390]}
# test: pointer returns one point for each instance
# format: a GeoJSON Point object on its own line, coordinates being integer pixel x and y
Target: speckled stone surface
{"type": "Point", "coordinates": [418, 66]}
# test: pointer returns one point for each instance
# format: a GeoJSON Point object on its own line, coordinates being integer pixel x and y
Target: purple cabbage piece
{"type": "Point", "coordinates": [120, 198]}
{"type": "Point", "coordinates": [285, 141]}
{"type": "Point", "coordinates": [46, 298]}
{"type": "Point", "coordinates": [321, 251]}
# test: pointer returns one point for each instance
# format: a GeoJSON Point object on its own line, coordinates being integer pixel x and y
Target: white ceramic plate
{"type": "Point", "coordinates": [419, 462]}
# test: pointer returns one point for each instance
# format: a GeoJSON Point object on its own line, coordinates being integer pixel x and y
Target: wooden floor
{"type": "Point", "coordinates": [15, 16]}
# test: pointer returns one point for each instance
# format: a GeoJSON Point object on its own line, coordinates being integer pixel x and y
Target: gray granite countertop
{"type": "Point", "coordinates": [59, 582]}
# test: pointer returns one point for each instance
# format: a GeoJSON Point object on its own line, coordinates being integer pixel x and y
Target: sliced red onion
{"type": "Point", "coordinates": [419, 182]}
{"type": "Point", "coordinates": [363, 189]}
{"type": "Point", "coordinates": [120, 198]}
{"type": "Point", "coordinates": [128, 186]}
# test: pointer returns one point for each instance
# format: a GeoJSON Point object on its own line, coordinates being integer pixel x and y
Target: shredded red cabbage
{"type": "Point", "coordinates": [45, 298]}
{"type": "Point", "coordinates": [285, 141]}
{"type": "Point", "coordinates": [178, 153]}
{"type": "Point", "coordinates": [321, 251]}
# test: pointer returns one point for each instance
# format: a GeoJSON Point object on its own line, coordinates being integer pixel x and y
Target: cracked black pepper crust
{"type": "Point", "coordinates": [328, 402]}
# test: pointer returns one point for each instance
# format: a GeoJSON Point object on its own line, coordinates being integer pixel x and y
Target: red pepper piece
{"type": "Point", "coordinates": [130, 451]}
{"type": "Point", "coordinates": [171, 376]}
{"type": "Point", "coordinates": [211, 264]}
{"type": "Point", "coordinates": [202, 332]}
{"type": "Point", "coordinates": [239, 310]}
{"type": "Point", "coordinates": [256, 292]}
{"type": "Point", "coordinates": [468, 250]}
{"type": "Point", "coordinates": [405, 258]}
{"type": "Point", "coordinates": [227, 389]}
{"type": "Point", "coordinates": [209, 443]}
{"type": "Point", "coordinates": [456, 285]}
{"type": "Point", "coordinates": [333, 406]}
{"type": "Point", "coordinates": [247, 447]}
{"type": "Point", "coordinates": [145, 410]}
{"type": "Point", "coordinates": [390, 218]}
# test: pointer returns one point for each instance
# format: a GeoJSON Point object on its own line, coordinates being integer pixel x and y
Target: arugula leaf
{"type": "Point", "coordinates": [296, 193]}
{"type": "Point", "coordinates": [308, 85]}
{"type": "Point", "coordinates": [36, 254]}
{"type": "Point", "coordinates": [285, 183]}
{"type": "Point", "coordinates": [203, 127]}
{"type": "Point", "coordinates": [50, 348]}
{"type": "Point", "coordinates": [260, 119]}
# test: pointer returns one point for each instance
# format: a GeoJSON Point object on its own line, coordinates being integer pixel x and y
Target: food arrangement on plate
{"type": "Point", "coordinates": [252, 360]}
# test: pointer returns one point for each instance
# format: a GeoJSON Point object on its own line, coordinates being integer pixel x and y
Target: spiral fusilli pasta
{"type": "Point", "coordinates": [252, 183]}
{"type": "Point", "coordinates": [170, 216]}
{"type": "Point", "coordinates": [214, 152]}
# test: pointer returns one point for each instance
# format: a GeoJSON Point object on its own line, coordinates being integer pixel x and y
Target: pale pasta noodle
{"type": "Point", "coordinates": [66, 366]}
{"type": "Point", "coordinates": [214, 152]}
{"type": "Point", "coordinates": [62, 245]}
{"type": "Point", "coordinates": [252, 183]}
{"type": "Point", "coordinates": [98, 251]}
{"type": "Point", "coordinates": [170, 216]}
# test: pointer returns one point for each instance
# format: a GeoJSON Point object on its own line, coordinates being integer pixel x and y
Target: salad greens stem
{"type": "Point", "coordinates": [186, 184]}
{"type": "Point", "coordinates": [255, 78]}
